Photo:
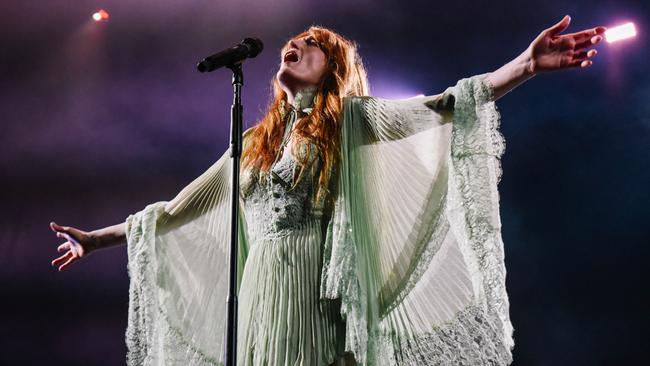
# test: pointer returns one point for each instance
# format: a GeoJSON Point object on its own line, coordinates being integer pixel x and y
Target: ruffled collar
{"type": "Point", "coordinates": [303, 101]}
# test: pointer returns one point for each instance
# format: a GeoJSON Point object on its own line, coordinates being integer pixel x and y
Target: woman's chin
{"type": "Point", "coordinates": [287, 79]}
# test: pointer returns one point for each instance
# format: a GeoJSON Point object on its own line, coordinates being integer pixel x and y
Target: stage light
{"type": "Point", "coordinates": [624, 31]}
{"type": "Point", "coordinates": [100, 15]}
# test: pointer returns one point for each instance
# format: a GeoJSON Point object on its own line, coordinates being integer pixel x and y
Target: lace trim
{"type": "Point", "coordinates": [482, 115]}
{"type": "Point", "coordinates": [475, 155]}
{"type": "Point", "coordinates": [140, 333]}
{"type": "Point", "coordinates": [471, 338]}
{"type": "Point", "coordinates": [340, 280]}
{"type": "Point", "coordinates": [176, 344]}
{"type": "Point", "coordinates": [144, 326]}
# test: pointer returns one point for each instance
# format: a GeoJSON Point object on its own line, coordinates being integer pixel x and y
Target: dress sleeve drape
{"type": "Point", "coordinates": [414, 248]}
{"type": "Point", "coordinates": [178, 266]}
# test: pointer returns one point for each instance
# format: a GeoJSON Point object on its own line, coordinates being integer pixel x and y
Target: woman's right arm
{"type": "Point", "coordinates": [81, 243]}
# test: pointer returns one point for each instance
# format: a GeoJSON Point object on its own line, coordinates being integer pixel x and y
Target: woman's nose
{"type": "Point", "coordinates": [293, 44]}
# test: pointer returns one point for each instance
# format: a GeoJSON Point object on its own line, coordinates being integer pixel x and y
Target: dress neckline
{"type": "Point", "coordinates": [303, 101]}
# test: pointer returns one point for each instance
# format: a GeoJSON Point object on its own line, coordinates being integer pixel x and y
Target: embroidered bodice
{"type": "Point", "coordinates": [273, 206]}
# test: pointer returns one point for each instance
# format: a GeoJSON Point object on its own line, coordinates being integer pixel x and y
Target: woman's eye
{"type": "Point", "coordinates": [310, 41]}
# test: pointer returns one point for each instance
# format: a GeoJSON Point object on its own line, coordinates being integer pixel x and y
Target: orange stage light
{"type": "Point", "coordinates": [100, 15]}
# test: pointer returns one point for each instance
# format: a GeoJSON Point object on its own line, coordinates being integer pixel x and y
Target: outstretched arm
{"type": "Point", "coordinates": [550, 51]}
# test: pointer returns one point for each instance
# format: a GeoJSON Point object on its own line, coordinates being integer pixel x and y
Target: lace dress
{"type": "Point", "coordinates": [406, 268]}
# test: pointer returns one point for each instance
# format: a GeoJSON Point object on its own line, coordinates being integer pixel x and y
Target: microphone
{"type": "Point", "coordinates": [249, 47]}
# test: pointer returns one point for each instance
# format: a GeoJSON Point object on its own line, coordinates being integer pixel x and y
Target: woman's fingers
{"type": "Point", "coordinates": [75, 246]}
{"type": "Point", "coordinates": [67, 263]}
{"type": "Point", "coordinates": [586, 34]}
{"type": "Point", "coordinates": [56, 227]}
{"type": "Point", "coordinates": [64, 229]}
{"type": "Point", "coordinates": [560, 26]}
{"type": "Point", "coordinates": [581, 63]}
{"type": "Point", "coordinates": [62, 258]}
{"type": "Point", "coordinates": [70, 244]}
{"type": "Point", "coordinates": [581, 59]}
{"type": "Point", "coordinates": [589, 42]}
{"type": "Point", "coordinates": [63, 247]}
{"type": "Point", "coordinates": [67, 259]}
{"type": "Point", "coordinates": [583, 55]}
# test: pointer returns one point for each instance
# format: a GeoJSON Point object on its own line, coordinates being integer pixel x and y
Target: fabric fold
{"type": "Point", "coordinates": [178, 265]}
{"type": "Point", "coordinates": [415, 250]}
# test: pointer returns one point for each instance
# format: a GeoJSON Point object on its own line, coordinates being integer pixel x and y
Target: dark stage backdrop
{"type": "Point", "coordinates": [99, 120]}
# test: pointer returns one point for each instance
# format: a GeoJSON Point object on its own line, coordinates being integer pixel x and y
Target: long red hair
{"type": "Point", "coordinates": [345, 76]}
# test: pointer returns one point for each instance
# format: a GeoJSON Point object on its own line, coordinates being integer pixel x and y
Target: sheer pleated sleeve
{"type": "Point", "coordinates": [178, 266]}
{"type": "Point", "coordinates": [414, 248]}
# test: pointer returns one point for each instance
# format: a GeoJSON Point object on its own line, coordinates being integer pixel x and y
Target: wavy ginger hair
{"type": "Point", "coordinates": [344, 76]}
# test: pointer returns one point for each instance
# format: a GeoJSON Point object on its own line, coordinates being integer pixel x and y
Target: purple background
{"type": "Point", "coordinates": [99, 120]}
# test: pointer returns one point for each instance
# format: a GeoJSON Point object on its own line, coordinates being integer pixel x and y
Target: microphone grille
{"type": "Point", "coordinates": [255, 46]}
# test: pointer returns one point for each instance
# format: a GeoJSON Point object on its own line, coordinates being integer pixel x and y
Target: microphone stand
{"type": "Point", "coordinates": [235, 154]}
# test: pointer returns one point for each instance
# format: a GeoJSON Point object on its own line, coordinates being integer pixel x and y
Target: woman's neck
{"type": "Point", "coordinates": [303, 99]}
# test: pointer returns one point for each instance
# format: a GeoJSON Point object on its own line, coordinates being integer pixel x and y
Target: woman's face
{"type": "Point", "coordinates": [303, 64]}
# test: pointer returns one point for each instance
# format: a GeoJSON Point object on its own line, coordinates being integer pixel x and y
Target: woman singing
{"type": "Point", "coordinates": [370, 228]}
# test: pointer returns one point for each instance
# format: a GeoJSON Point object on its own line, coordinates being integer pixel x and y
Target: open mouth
{"type": "Point", "coordinates": [291, 56]}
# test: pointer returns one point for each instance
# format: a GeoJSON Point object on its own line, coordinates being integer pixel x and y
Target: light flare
{"type": "Point", "coordinates": [101, 15]}
{"type": "Point", "coordinates": [620, 32]}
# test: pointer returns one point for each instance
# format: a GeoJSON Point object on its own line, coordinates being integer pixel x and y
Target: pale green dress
{"type": "Point", "coordinates": [406, 268]}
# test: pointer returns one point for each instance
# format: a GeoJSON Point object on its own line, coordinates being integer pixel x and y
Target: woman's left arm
{"type": "Point", "coordinates": [550, 51]}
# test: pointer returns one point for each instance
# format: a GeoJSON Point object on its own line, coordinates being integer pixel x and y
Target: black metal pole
{"type": "Point", "coordinates": [235, 154]}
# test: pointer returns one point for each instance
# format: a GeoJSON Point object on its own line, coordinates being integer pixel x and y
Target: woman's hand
{"type": "Point", "coordinates": [552, 51]}
{"type": "Point", "coordinates": [78, 245]}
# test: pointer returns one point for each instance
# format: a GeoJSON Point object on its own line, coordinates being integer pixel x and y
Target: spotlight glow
{"type": "Point", "coordinates": [100, 15]}
{"type": "Point", "coordinates": [624, 31]}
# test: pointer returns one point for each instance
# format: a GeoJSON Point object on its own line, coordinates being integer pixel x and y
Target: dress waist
{"type": "Point", "coordinates": [309, 228]}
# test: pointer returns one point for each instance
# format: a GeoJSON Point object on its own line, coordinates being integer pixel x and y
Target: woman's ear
{"type": "Point", "coordinates": [333, 65]}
